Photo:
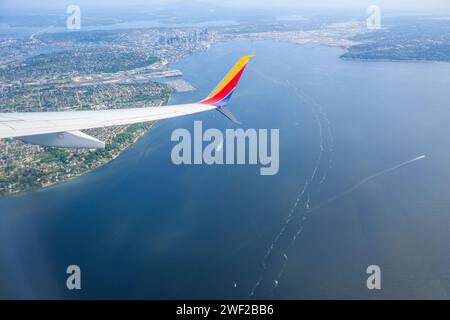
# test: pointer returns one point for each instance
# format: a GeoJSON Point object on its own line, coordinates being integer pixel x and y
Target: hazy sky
{"type": "Point", "coordinates": [406, 5]}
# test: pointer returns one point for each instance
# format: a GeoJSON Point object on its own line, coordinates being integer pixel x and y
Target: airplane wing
{"type": "Point", "coordinates": [62, 129]}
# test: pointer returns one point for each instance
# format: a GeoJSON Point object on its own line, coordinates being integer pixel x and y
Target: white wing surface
{"type": "Point", "coordinates": [32, 123]}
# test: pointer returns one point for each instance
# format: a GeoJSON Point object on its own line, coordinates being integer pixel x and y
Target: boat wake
{"type": "Point", "coordinates": [276, 258]}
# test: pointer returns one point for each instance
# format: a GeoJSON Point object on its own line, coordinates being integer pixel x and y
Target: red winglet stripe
{"type": "Point", "coordinates": [226, 90]}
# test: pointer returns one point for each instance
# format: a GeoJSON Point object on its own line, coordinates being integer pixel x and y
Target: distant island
{"type": "Point", "coordinates": [399, 40]}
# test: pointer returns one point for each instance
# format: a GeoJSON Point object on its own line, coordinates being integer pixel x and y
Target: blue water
{"type": "Point", "coordinates": [141, 227]}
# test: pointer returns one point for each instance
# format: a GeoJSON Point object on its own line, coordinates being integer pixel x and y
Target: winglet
{"type": "Point", "coordinates": [220, 96]}
{"type": "Point", "coordinates": [227, 113]}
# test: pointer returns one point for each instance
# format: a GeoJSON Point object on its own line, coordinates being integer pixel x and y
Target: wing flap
{"type": "Point", "coordinates": [73, 139]}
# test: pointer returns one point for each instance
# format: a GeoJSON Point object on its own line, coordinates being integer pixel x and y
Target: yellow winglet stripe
{"type": "Point", "coordinates": [237, 67]}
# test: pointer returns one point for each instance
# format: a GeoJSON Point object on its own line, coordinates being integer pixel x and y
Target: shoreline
{"type": "Point", "coordinates": [68, 165]}
{"type": "Point", "coordinates": [75, 177]}
{"type": "Point", "coordinates": [114, 156]}
{"type": "Point", "coordinates": [392, 60]}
